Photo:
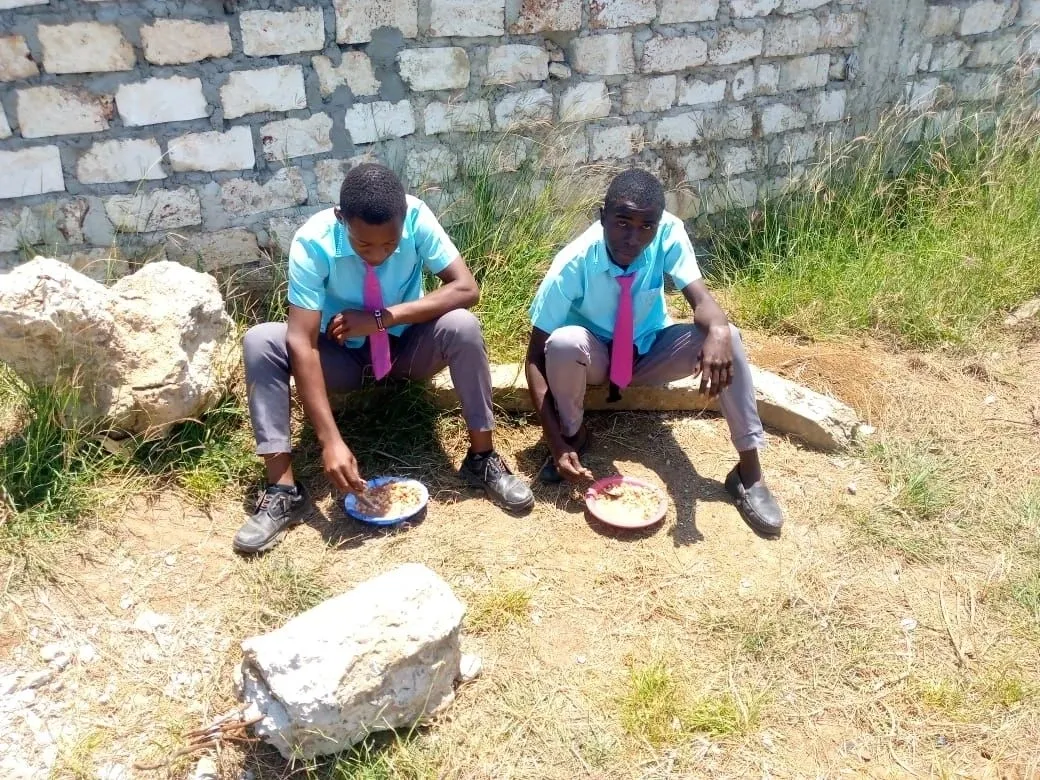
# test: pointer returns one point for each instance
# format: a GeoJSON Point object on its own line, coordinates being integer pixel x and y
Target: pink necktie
{"type": "Point", "coordinates": [624, 335]}
{"type": "Point", "coordinates": [378, 342]}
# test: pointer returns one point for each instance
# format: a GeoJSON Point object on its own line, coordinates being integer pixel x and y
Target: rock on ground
{"type": "Point", "coordinates": [145, 353]}
{"type": "Point", "coordinates": [384, 655]}
{"type": "Point", "coordinates": [1024, 314]}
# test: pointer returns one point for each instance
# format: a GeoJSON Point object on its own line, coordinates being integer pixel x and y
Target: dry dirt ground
{"type": "Point", "coordinates": [888, 633]}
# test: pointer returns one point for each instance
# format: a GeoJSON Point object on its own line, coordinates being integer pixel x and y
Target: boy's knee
{"type": "Point", "coordinates": [568, 343]}
{"type": "Point", "coordinates": [263, 339]}
{"type": "Point", "coordinates": [462, 328]}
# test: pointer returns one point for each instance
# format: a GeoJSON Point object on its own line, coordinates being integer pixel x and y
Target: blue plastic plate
{"type": "Point", "coordinates": [350, 503]}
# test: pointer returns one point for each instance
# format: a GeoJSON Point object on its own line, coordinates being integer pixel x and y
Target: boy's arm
{"type": "Point", "coordinates": [567, 461]}
{"type": "Point", "coordinates": [716, 358]}
{"type": "Point", "coordinates": [340, 465]}
{"type": "Point", "coordinates": [458, 290]}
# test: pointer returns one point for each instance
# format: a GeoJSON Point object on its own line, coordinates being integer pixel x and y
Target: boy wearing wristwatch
{"type": "Point", "coordinates": [356, 304]}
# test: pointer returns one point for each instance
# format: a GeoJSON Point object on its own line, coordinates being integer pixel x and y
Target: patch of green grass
{"type": "Point", "coordinates": [942, 695]}
{"type": "Point", "coordinates": [656, 707]}
{"type": "Point", "coordinates": [1006, 690]}
{"type": "Point", "coordinates": [894, 237]}
{"type": "Point", "coordinates": [883, 529]}
{"type": "Point", "coordinates": [922, 481]}
{"type": "Point", "coordinates": [1026, 591]}
{"type": "Point", "coordinates": [497, 609]}
{"type": "Point", "coordinates": [384, 756]}
{"type": "Point", "coordinates": [280, 587]}
{"type": "Point", "coordinates": [509, 225]}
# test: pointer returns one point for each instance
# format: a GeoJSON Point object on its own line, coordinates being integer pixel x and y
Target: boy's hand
{"type": "Point", "coordinates": [341, 467]}
{"type": "Point", "coordinates": [716, 361]}
{"type": "Point", "coordinates": [568, 464]}
{"type": "Point", "coordinates": [351, 323]}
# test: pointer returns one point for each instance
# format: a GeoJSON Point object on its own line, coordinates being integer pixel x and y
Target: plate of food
{"type": "Point", "coordinates": [387, 501]}
{"type": "Point", "coordinates": [626, 502]}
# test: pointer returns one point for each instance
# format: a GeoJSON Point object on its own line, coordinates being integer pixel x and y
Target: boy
{"type": "Point", "coordinates": [600, 315]}
{"type": "Point", "coordinates": [356, 303]}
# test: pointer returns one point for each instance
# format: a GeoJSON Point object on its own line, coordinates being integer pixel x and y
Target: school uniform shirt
{"type": "Point", "coordinates": [580, 287]}
{"type": "Point", "coordinates": [327, 275]}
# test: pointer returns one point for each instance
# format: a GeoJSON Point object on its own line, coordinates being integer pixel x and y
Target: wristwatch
{"type": "Point", "coordinates": [378, 314]}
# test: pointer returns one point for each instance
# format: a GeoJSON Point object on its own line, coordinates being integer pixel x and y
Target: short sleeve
{"type": "Point", "coordinates": [433, 245]}
{"type": "Point", "coordinates": [680, 261]}
{"type": "Point", "coordinates": [557, 293]}
{"type": "Point", "coordinates": [308, 274]}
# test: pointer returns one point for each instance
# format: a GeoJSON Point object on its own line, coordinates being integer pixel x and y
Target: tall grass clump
{"type": "Point", "coordinates": [898, 233]}
{"type": "Point", "coordinates": [520, 202]}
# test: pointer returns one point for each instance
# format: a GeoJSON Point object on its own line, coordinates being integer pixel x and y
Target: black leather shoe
{"type": "Point", "coordinates": [275, 514]}
{"type": "Point", "coordinates": [490, 473]}
{"type": "Point", "coordinates": [756, 505]}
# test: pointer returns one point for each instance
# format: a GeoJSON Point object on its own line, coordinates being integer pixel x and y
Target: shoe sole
{"type": "Point", "coordinates": [476, 484]}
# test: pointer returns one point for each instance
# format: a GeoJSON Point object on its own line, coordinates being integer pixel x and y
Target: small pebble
{"type": "Point", "coordinates": [8, 683]}
{"type": "Point", "coordinates": [126, 602]}
{"type": "Point", "coordinates": [170, 560]}
{"type": "Point", "coordinates": [470, 668]}
{"type": "Point", "coordinates": [113, 772]}
{"type": "Point", "coordinates": [941, 741]}
{"type": "Point", "coordinates": [206, 769]}
{"type": "Point", "coordinates": [851, 488]}
{"type": "Point", "coordinates": [579, 659]}
{"type": "Point", "coordinates": [147, 622]}
{"type": "Point", "coordinates": [908, 624]}
{"type": "Point", "coordinates": [87, 654]}
{"type": "Point", "coordinates": [53, 650]}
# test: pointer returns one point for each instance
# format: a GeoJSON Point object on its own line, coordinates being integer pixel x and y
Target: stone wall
{"type": "Point", "coordinates": [210, 130]}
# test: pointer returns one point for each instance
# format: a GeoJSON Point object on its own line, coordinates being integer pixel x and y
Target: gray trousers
{"type": "Point", "coordinates": [453, 340]}
{"type": "Point", "coordinates": [575, 358]}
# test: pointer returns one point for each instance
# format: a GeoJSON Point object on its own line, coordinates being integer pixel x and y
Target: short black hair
{"type": "Point", "coordinates": [372, 193]}
{"type": "Point", "coordinates": [638, 186]}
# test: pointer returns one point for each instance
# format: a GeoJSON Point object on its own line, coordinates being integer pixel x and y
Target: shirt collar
{"type": "Point", "coordinates": [342, 241]}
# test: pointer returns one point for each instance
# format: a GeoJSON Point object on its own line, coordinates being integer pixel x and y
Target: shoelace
{"type": "Point", "coordinates": [494, 467]}
{"type": "Point", "coordinates": [267, 497]}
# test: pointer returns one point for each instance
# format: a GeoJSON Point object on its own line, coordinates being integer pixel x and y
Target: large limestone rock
{"type": "Point", "coordinates": [384, 655]}
{"type": "Point", "coordinates": [149, 351]}
{"type": "Point", "coordinates": [819, 421]}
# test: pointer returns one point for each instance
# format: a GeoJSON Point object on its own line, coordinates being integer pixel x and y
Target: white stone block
{"type": "Point", "coordinates": [289, 138]}
{"type": "Point", "coordinates": [695, 165]}
{"type": "Point", "coordinates": [793, 148]}
{"type": "Point", "coordinates": [269, 33]}
{"type": "Point", "coordinates": [983, 17]}
{"type": "Point", "coordinates": [979, 86]}
{"type": "Point", "coordinates": [152, 102]}
{"type": "Point", "coordinates": [242, 197]}
{"type": "Point", "coordinates": [679, 11]}
{"type": "Point", "coordinates": [471, 117]}
{"type": "Point", "coordinates": [435, 165]}
{"type": "Point", "coordinates": [941, 20]}
{"type": "Point", "coordinates": [213, 151]}
{"type": "Point", "coordinates": [799, 35]}
{"type": "Point", "coordinates": [805, 72]}
{"type": "Point", "coordinates": [56, 223]}
{"type": "Point", "coordinates": [435, 68]}
{"type": "Point", "coordinates": [841, 31]}
{"type": "Point", "coordinates": [46, 111]}
{"type": "Point", "coordinates": [31, 171]}
{"type": "Point", "coordinates": [523, 109]}
{"type": "Point", "coordinates": [828, 107]}
{"type": "Point", "coordinates": [748, 8]}
{"type": "Point", "coordinates": [797, 6]}
{"type": "Point", "coordinates": [112, 161]}
{"type": "Point", "coordinates": [662, 55]}
{"type": "Point", "coordinates": [84, 47]}
{"type": "Point", "coordinates": [731, 194]}
{"type": "Point", "coordinates": [734, 46]}
{"type": "Point", "coordinates": [923, 95]}
{"type": "Point", "coordinates": [731, 123]}
{"type": "Point", "coordinates": [5, 126]}
{"type": "Point", "coordinates": [948, 56]}
{"type": "Point", "coordinates": [752, 81]}
{"type": "Point", "coordinates": [354, 70]}
{"type": "Point", "coordinates": [650, 94]}
{"type": "Point", "coordinates": [370, 122]}
{"type": "Point", "coordinates": [146, 212]}
{"type": "Point", "coordinates": [356, 20]}
{"type": "Point", "coordinates": [615, 143]}
{"type": "Point", "coordinates": [466, 18]}
{"type": "Point", "coordinates": [536, 16]}
{"type": "Point", "coordinates": [608, 14]}
{"type": "Point", "coordinates": [270, 89]}
{"type": "Point", "coordinates": [694, 92]}
{"type": "Point", "coordinates": [5, 4]}
{"type": "Point", "coordinates": [779, 118]}
{"type": "Point", "coordinates": [588, 100]}
{"type": "Point", "coordinates": [214, 251]}
{"type": "Point", "coordinates": [1002, 50]}
{"type": "Point", "coordinates": [517, 62]}
{"type": "Point", "coordinates": [15, 60]}
{"type": "Point", "coordinates": [603, 55]}
{"type": "Point", "coordinates": [736, 160]}
{"type": "Point", "coordinates": [680, 130]}
{"type": "Point", "coordinates": [180, 41]}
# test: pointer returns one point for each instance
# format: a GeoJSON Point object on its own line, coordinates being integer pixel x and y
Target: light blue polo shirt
{"type": "Point", "coordinates": [327, 275]}
{"type": "Point", "coordinates": [580, 289]}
